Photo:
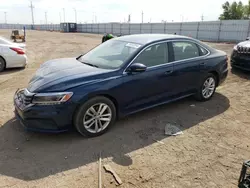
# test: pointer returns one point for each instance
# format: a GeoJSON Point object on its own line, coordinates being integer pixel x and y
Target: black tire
{"type": "Point", "coordinates": [199, 96]}
{"type": "Point", "coordinates": [80, 114]}
{"type": "Point", "coordinates": [2, 64]}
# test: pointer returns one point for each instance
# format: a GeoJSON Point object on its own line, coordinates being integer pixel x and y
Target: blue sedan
{"type": "Point", "coordinates": [117, 78]}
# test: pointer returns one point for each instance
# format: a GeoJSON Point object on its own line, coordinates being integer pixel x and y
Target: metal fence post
{"type": "Point", "coordinates": [129, 28]}
{"type": "Point", "coordinates": [98, 28]}
{"type": "Point", "coordinates": [165, 26]}
{"type": "Point", "coordinates": [180, 28]}
{"type": "Point", "coordinates": [218, 40]}
{"type": "Point", "coordinates": [248, 29]}
{"type": "Point", "coordinates": [140, 27]}
{"type": "Point", "coordinates": [151, 28]}
{"type": "Point", "coordinates": [112, 31]}
{"type": "Point", "coordinates": [105, 28]}
{"type": "Point", "coordinates": [120, 29]}
{"type": "Point", "coordinates": [198, 29]}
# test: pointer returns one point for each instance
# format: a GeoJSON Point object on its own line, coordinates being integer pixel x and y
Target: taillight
{"type": "Point", "coordinates": [18, 50]}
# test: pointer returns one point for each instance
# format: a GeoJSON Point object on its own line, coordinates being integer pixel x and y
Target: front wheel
{"type": "Point", "coordinates": [207, 88]}
{"type": "Point", "coordinates": [95, 116]}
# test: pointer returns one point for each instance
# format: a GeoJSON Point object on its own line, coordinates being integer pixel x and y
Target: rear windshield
{"type": "Point", "coordinates": [4, 41]}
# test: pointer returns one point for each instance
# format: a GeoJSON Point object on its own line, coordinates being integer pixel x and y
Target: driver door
{"type": "Point", "coordinates": [145, 89]}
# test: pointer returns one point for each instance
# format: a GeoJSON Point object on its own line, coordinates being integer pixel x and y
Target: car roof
{"type": "Point", "coordinates": [148, 38]}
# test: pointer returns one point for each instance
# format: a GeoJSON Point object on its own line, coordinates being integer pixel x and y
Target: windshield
{"type": "Point", "coordinates": [110, 54]}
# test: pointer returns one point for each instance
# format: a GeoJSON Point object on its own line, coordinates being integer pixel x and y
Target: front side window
{"type": "Point", "coordinates": [110, 54]}
{"type": "Point", "coordinates": [185, 50]}
{"type": "Point", "coordinates": [154, 55]}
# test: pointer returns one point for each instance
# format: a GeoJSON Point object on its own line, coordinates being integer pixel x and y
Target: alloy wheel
{"type": "Point", "coordinates": [97, 118]}
{"type": "Point", "coordinates": [208, 87]}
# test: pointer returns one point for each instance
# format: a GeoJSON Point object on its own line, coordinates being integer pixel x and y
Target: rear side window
{"type": "Point", "coordinates": [203, 51]}
{"type": "Point", "coordinates": [185, 50]}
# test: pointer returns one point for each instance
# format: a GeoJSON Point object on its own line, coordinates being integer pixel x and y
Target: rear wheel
{"type": "Point", "coordinates": [95, 116]}
{"type": "Point", "coordinates": [207, 88]}
{"type": "Point", "coordinates": [2, 64]}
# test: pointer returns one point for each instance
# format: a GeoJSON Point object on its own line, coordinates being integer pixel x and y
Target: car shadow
{"type": "Point", "coordinates": [30, 156]}
{"type": "Point", "coordinates": [11, 70]}
{"type": "Point", "coordinates": [241, 73]}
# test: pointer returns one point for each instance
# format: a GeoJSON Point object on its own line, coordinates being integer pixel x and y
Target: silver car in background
{"type": "Point", "coordinates": [11, 54]}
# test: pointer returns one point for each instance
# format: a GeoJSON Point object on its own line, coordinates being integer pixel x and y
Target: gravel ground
{"type": "Point", "coordinates": [209, 153]}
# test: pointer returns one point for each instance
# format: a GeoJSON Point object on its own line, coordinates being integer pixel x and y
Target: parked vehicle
{"type": "Point", "coordinates": [240, 57]}
{"type": "Point", "coordinates": [117, 78]}
{"type": "Point", "coordinates": [11, 54]}
{"type": "Point", "coordinates": [15, 35]}
{"type": "Point", "coordinates": [107, 37]}
{"type": "Point", "coordinates": [244, 180]}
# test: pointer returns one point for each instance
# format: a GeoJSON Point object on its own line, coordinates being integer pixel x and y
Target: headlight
{"type": "Point", "coordinates": [235, 47]}
{"type": "Point", "coordinates": [51, 98]}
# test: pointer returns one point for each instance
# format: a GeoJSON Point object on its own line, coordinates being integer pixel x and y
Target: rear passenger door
{"type": "Point", "coordinates": [188, 61]}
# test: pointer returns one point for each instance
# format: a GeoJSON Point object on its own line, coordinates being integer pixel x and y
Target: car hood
{"type": "Point", "coordinates": [61, 74]}
{"type": "Point", "coordinates": [244, 44]}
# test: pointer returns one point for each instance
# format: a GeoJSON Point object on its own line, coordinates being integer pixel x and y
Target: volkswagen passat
{"type": "Point", "coordinates": [119, 77]}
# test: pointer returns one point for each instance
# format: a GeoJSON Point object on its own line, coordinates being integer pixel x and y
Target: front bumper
{"type": "Point", "coordinates": [44, 118]}
{"type": "Point", "coordinates": [241, 61]}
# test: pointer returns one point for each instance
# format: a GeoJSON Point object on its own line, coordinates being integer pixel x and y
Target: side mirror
{"type": "Point", "coordinates": [137, 67]}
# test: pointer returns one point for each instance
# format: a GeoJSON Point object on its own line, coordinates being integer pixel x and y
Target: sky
{"type": "Point", "coordinates": [100, 11]}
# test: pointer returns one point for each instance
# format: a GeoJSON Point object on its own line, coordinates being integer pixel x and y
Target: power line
{"type": "Point", "coordinates": [32, 14]}
{"type": "Point", "coordinates": [5, 17]}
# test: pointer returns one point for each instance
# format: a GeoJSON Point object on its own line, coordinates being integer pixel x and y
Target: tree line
{"type": "Point", "coordinates": [235, 11]}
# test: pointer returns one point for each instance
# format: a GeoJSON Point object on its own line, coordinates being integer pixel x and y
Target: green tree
{"type": "Point", "coordinates": [235, 11]}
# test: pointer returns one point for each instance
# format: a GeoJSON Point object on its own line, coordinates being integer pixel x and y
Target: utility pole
{"type": "Point", "coordinates": [64, 14]}
{"type": "Point", "coordinates": [202, 18]}
{"type": "Point", "coordinates": [129, 18]}
{"type": "Point", "coordinates": [5, 17]}
{"type": "Point", "coordinates": [75, 15]}
{"type": "Point", "coordinates": [32, 14]}
{"type": "Point", "coordinates": [142, 17]}
{"type": "Point", "coordinates": [46, 21]}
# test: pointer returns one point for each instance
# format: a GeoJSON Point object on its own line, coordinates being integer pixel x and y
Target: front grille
{"type": "Point", "coordinates": [242, 49]}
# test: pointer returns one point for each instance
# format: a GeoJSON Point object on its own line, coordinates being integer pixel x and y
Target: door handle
{"type": "Point", "coordinates": [203, 63]}
{"type": "Point", "coordinates": [168, 72]}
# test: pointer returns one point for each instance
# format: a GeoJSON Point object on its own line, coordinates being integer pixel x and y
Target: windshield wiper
{"type": "Point", "coordinates": [92, 65]}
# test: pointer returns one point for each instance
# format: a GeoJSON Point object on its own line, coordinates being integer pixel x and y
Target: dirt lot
{"type": "Point", "coordinates": [215, 142]}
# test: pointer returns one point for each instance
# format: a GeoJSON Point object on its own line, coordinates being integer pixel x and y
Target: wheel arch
{"type": "Point", "coordinates": [90, 96]}
{"type": "Point", "coordinates": [216, 74]}
{"type": "Point", "coordinates": [4, 61]}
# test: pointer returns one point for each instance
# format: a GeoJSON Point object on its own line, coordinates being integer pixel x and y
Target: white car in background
{"type": "Point", "coordinates": [11, 54]}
